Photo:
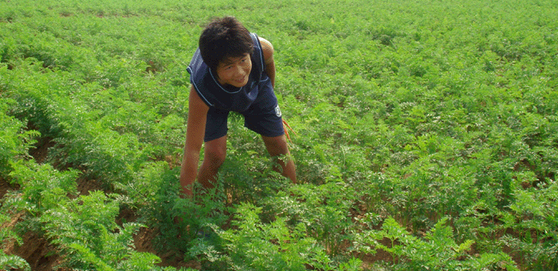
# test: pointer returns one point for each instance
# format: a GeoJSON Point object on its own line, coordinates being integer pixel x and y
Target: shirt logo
{"type": "Point", "coordinates": [278, 111]}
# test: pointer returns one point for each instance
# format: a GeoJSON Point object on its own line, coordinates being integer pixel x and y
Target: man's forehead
{"type": "Point", "coordinates": [231, 60]}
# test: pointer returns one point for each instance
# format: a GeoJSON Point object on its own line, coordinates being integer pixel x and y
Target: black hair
{"type": "Point", "coordinates": [224, 38]}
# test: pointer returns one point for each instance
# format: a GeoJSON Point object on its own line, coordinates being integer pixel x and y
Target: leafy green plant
{"type": "Point", "coordinates": [43, 187]}
{"type": "Point", "coordinates": [178, 220]}
{"type": "Point", "coordinates": [86, 232]}
{"type": "Point", "coordinates": [15, 141]}
{"type": "Point", "coordinates": [253, 245]}
{"type": "Point", "coordinates": [534, 225]}
{"type": "Point", "coordinates": [9, 262]}
{"type": "Point", "coordinates": [322, 209]}
{"type": "Point", "coordinates": [437, 249]}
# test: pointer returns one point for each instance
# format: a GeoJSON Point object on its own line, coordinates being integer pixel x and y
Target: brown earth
{"type": "Point", "coordinates": [5, 187]}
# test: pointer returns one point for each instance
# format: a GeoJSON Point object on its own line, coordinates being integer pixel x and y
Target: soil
{"type": "Point", "coordinates": [40, 152]}
{"type": "Point", "coordinates": [5, 187]}
{"type": "Point", "coordinates": [37, 251]}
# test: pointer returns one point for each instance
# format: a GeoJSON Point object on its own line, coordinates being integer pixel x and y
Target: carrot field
{"type": "Point", "coordinates": [425, 136]}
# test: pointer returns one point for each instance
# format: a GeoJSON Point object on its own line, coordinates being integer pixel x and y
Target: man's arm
{"type": "Point", "coordinates": [197, 115]}
{"type": "Point", "coordinates": [268, 59]}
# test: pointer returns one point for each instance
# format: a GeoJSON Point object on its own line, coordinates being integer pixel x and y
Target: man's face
{"type": "Point", "coordinates": [234, 71]}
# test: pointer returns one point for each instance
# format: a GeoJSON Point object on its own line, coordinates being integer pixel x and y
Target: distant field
{"type": "Point", "coordinates": [426, 138]}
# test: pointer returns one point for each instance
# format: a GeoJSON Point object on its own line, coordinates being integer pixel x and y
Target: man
{"type": "Point", "coordinates": [232, 70]}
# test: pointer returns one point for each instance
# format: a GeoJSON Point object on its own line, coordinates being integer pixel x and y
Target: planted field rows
{"type": "Point", "coordinates": [425, 138]}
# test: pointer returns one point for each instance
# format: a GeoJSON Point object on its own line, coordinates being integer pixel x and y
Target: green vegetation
{"type": "Point", "coordinates": [426, 137]}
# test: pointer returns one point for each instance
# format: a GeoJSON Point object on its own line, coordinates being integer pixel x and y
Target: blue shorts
{"type": "Point", "coordinates": [263, 117]}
